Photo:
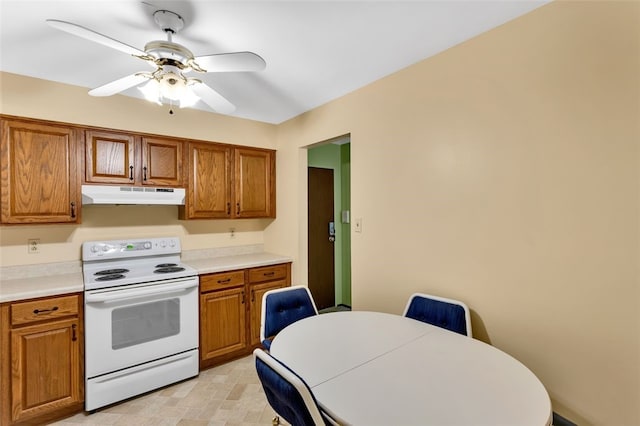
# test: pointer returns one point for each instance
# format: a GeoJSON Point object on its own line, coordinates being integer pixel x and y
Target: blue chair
{"type": "Point", "coordinates": [449, 314]}
{"type": "Point", "coordinates": [281, 307]}
{"type": "Point", "coordinates": [287, 393]}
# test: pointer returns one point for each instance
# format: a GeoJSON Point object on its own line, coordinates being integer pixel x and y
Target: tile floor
{"type": "Point", "coordinates": [229, 395]}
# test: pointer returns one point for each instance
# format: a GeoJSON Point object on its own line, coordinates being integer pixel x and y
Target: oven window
{"type": "Point", "coordinates": [133, 325]}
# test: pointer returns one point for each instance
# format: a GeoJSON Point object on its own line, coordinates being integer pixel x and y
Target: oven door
{"type": "Point", "coordinates": [139, 323]}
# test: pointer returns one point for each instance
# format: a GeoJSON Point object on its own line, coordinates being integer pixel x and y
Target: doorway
{"type": "Point", "coordinates": [321, 228]}
{"type": "Point", "coordinates": [331, 157]}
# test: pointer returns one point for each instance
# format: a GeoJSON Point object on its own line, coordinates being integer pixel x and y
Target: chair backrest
{"type": "Point", "coordinates": [286, 392]}
{"type": "Point", "coordinates": [446, 313]}
{"type": "Point", "coordinates": [284, 306]}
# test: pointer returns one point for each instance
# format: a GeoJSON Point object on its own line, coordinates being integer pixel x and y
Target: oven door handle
{"type": "Point", "coordinates": [115, 296]}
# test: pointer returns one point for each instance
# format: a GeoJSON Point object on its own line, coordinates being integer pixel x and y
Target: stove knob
{"type": "Point", "coordinates": [147, 245]}
{"type": "Point", "coordinates": [94, 249]}
{"type": "Point", "coordinates": [172, 243]}
{"type": "Point", "coordinates": [105, 248]}
{"type": "Point", "coordinates": [163, 243]}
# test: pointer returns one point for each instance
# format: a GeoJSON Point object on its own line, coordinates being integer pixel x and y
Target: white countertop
{"type": "Point", "coordinates": [50, 285]}
{"type": "Point", "coordinates": [241, 261]}
{"type": "Point", "coordinates": [56, 283]}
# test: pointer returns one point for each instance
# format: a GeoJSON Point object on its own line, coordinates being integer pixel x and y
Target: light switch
{"type": "Point", "coordinates": [345, 216]}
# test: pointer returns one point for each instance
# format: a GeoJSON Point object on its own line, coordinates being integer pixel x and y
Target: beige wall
{"type": "Point", "coordinates": [504, 172]}
{"type": "Point", "coordinates": [27, 97]}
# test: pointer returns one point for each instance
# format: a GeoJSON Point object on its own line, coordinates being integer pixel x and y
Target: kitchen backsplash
{"type": "Point", "coordinates": [188, 255]}
{"type": "Point", "coordinates": [40, 270]}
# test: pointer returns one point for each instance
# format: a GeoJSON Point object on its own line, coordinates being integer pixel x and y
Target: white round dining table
{"type": "Point", "coordinates": [371, 368]}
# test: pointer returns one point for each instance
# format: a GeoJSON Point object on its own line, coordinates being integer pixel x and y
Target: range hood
{"type": "Point", "coordinates": [107, 194]}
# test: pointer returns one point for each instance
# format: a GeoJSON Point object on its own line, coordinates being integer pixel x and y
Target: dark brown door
{"type": "Point", "coordinates": [321, 254]}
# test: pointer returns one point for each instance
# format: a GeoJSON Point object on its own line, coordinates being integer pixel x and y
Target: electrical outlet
{"type": "Point", "coordinates": [33, 245]}
{"type": "Point", "coordinates": [232, 232]}
{"type": "Point", "coordinates": [358, 224]}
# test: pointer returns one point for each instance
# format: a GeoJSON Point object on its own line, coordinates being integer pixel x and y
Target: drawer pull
{"type": "Point", "coordinates": [74, 337]}
{"type": "Point", "coordinates": [224, 281]}
{"type": "Point", "coordinates": [269, 274]}
{"type": "Point", "coordinates": [45, 311]}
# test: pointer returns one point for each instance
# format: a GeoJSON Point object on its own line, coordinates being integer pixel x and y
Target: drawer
{"type": "Point", "coordinates": [44, 309]}
{"type": "Point", "coordinates": [221, 280]}
{"type": "Point", "coordinates": [268, 273]}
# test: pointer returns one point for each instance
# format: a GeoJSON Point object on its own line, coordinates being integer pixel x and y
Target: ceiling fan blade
{"type": "Point", "coordinates": [231, 62]}
{"type": "Point", "coordinates": [212, 98]}
{"type": "Point", "coordinates": [91, 35]}
{"type": "Point", "coordinates": [119, 85]}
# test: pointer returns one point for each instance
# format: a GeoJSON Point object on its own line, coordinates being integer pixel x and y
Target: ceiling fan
{"type": "Point", "coordinates": [168, 82]}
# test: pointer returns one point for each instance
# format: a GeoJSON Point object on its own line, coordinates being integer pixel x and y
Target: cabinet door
{"type": "Point", "coordinates": [209, 193]}
{"type": "Point", "coordinates": [39, 173]}
{"type": "Point", "coordinates": [222, 322]}
{"type": "Point", "coordinates": [45, 368]}
{"type": "Point", "coordinates": [162, 162]}
{"type": "Point", "coordinates": [254, 183]}
{"type": "Point", "coordinates": [109, 157]}
{"type": "Point", "coordinates": [257, 292]}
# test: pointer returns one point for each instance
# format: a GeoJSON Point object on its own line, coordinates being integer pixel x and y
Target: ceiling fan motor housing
{"type": "Point", "coordinates": [168, 21]}
{"type": "Point", "coordinates": [169, 53]}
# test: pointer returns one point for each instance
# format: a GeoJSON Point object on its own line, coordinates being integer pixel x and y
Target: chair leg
{"type": "Point", "coordinates": [275, 421]}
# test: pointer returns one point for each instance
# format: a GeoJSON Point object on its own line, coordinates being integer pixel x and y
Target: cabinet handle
{"type": "Point", "coordinates": [45, 311]}
{"type": "Point", "coordinates": [243, 297]}
{"type": "Point", "coordinates": [238, 209]}
{"type": "Point", "coordinates": [144, 173]}
{"type": "Point", "coordinates": [228, 208]}
{"type": "Point", "coordinates": [253, 295]}
{"type": "Point", "coordinates": [224, 281]}
{"type": "Point", "coordinates": [269, 274]}
{"type": "Point", "coordinates": [73, 209]}
{"type": "Point", "coordinates": [130, 172]}
{"type": "Point", "coordinates": [74, 337]}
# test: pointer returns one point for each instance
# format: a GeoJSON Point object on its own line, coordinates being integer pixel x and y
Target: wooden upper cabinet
{"type": "Point", "coordinates": [209, 182]}
{"type": "Point", "coordinates": [39, 166]}
{"type": "Point", "coordinates": [125, 159]}
{"type": "Point", "coordinates": [255, 177]}
{"type": "Point", "coordinates": [162, 162]}
{"type": "Point", "coordinates": [109, 157]}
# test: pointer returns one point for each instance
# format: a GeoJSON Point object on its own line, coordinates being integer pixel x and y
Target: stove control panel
{"type": "Point", "coordinates": [129, 248]}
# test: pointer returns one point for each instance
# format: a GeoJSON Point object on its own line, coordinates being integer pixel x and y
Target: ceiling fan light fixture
{"type": "Point", "coordinates": [188, 98]}
{"type": "Point", "coordinates": [151, 91]}
{"type": "Point", "coordinates": [172, 86]}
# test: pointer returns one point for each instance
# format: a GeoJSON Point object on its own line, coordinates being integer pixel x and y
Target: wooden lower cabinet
{"type": "Point", "coordinates": [42, 374]}
{"type": "Point", "coordinates": [230, 309]}
{"type": "Point", "coordinates": [223, 329]}
{"type": "Point", "coordinates": [262, 280]}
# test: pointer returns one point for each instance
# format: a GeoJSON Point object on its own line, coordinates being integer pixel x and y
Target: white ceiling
{"type": "Point", "coordinates": [315, 51]}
